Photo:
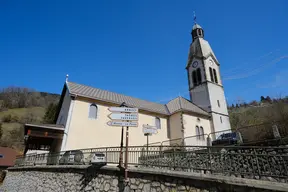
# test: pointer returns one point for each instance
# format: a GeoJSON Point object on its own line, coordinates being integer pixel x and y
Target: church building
{"type": "Point", "coordinates": [82, 117]}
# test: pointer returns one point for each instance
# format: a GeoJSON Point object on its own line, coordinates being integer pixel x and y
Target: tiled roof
{"type": "Point", "coordinates": [103, 95]}
{"type": "Point", "coordinates": [8, 156]}
{"type": "Point", "coordinates": [107, 96]}
{"type": "Point", "coordinates": [181, 103]}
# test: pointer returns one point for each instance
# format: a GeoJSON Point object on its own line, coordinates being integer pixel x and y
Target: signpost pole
{"type": "Point", "coordinates": [126, 154]}
{"type": "Point", "coordinates": [147, 148]}
{"type": "Point", "coordinates": [121, 149]}
{"type": "Point", "coordinates": [121, 143]}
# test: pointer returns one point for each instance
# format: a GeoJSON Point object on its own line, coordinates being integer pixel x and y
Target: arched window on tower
{"type": "Point", "coordinates": [197, 132]}
{"type": "Point", "coordinates": [157, 123]}
{"type": "Point", "coordinates": [215, 76]}
{"type": "Point", "coordinates": [201, 131]}
{"type": "Point", "coordinates": [211, 74]}
{"type": "Point", "coordinates": [194, 78]}
{"type": "Point", "coordinates": [199, 78]}
{"type": "Point", "coordinates": [93, 109]}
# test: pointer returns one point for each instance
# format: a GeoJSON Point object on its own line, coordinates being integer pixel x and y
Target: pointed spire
{"type": "Point", "coordinates": [197, 30]}
{"type": "Point", "coordinates": [67, 78]}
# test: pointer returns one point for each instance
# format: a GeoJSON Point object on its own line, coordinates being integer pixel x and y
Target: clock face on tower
{"type": "Point", "coordinates": [195, 64]}
{"type": "Point", "coordinates": [211, 62]}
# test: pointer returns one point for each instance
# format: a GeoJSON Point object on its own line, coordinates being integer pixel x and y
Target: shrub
{"type": "Point", "coordinates": [7, 118]}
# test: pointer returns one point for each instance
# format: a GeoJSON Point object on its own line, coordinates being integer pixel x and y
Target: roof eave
{"type": "Point", "coordinates": [119, 103]}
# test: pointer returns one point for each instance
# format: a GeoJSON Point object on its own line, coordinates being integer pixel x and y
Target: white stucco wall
{"type": "Point", "coordinates": [220, 126]}
{"type": "Point", "coordinates": [175, 129]}
{"type": "Point", "coordinates": [92, 133]}
{"type": "Point", "coordinates": [190, 123]}
{"type": "Point", "coordinates": [217, 93]}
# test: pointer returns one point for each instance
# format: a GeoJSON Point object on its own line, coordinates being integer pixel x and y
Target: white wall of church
{"type": "Point", "coordinates": [91, 133]}
{"type": "Point", "coordinates": [175, 129]}
{"type": "Point", "coordinates": [190, 122]}
{"type": "Point", "coordinates": [200, 97]}
{"type": "Point", "coordinates": [63, 115]}
{"type": "Point", "coordinates": [220, 126]}
{"type": "Point", "coordinates": [217, 94]}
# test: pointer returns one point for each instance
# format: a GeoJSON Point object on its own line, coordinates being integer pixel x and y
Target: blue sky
{"type": "Point", "coordinates": [140, 48]}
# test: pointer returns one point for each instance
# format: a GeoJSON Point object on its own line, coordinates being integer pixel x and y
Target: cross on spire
{"type": "Point", "coordinates": [194, 17]}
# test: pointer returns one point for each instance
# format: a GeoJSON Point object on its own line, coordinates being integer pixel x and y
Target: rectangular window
{"type": "Point", "coordinates": [1, 156]}
{"type": "Point", "coordinates": [218, 103]}
{"type": "Point", "coordinates": [220, 119]}
{"type": "Point", "coordinates": [215, 76]}
{"type": "Point", "coordinates": [211, 74]}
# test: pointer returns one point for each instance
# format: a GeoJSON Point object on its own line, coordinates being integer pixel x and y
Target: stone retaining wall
{"type": "Point", "coordinates": [87, 178]}
{"type": "Point", "coordinates": [254, 163]}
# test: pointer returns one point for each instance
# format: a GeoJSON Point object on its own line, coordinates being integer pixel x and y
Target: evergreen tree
{"type": "Point", "coordinates": [262, 98]}
{"type": "Point", "coordinates": [50, 113]}
{"type": "Point", "coordinates": [268, 99]}
{"type": "Point", "coordinates": [233, 106]}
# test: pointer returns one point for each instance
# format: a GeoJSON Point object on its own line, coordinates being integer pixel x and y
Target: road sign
{"type": "Point", "coordinates": [124, 116]}
{"type": "Point", "coordinates": [123, 109]}
{"type": "Point", "coordinates": [149, 129]}
{"type": "Point", "coordinates": [122, 124]}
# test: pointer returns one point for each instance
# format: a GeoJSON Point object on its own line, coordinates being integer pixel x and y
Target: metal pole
{"type": "Point", "coordinates": [121, 149]}
{"type": "Point", "coordinates": [126, 154]}
{"type": "Point", "coordinates": [121, 142]}
{"type": "Point", "coordinates": [147, 148]}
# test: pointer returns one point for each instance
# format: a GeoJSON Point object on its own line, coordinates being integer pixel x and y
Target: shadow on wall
{"type": "Point", "coordinates": [2, 175]}
{"type": "Point", "coordinates": [94, 171]}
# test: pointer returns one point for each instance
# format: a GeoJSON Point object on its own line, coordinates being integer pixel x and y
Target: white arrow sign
{"type": "Point", "coordinates": [124, 116]}
{"type": "Point", "coordinates": [122, 124]}
{"type": "Point", "coordinates": [152, 131]}
{"type": "Point", "coordinates": [149, 129]}
{"type": "Point", "coordinates": [123, 109]}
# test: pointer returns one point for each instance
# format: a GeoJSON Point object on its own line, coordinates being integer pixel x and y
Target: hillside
{"type": "Point", "coordinates": [19, 106]}
{"type": "Point", "coordinates": [264, 111]}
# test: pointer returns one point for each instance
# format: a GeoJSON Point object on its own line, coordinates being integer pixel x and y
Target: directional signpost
{"type": "Point", "coordinates": [148, 130]}
{"type": "Point", "coordinates": [122, 124]}
{"type": "Point", "coordinates": [123, 109]}
{"type": "Point", "coordinates": [123, 116]}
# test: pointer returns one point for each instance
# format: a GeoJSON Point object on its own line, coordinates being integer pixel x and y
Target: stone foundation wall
{"type": "Point", "coordinates": [87, 178]}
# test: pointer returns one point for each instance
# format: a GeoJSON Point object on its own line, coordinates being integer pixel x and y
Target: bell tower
{"type": "Point", "coordinates": [205, 84]}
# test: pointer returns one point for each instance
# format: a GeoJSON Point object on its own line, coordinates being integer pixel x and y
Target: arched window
{"type": "Point", "coordinates": [221, 119]}
{"type": "Point", "coordinates": [197, 132]}
{"type": "Point", "coordinates": [199, 79]}
{"type": "Point", "coordinates": [157, 123]}
{"type": "Point", "coordinates": [215, 76]}
{"type": "Point", "coordinates": [211, 74]}
{"type": "Point", "coordinates": [194, 77]}
{"type": "Point", "coordinates": [93, 109]}
{"type": "Point", "coordinates": [201, 131]}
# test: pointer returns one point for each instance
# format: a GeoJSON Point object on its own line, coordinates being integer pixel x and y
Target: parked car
{"type": "Point", "coordinates": [72, 157]}
{"type": "Point", "coordinates": [98, 158]}
{"type": "Point", "coordinates": [226, 139]}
